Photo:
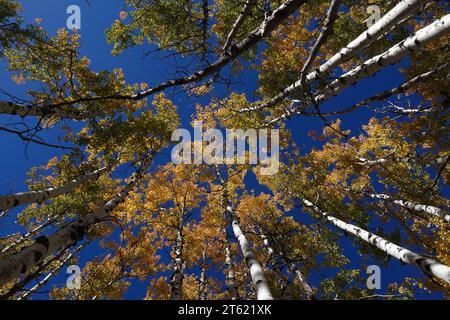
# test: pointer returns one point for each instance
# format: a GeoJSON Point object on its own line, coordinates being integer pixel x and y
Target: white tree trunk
{"type": "Point", "coordinates": [176, 280]}
{"type": "Point", "coordinates": [231, 274]}
{"type": "Point", "coordinates": [202, 294]}
{"type": "Point", "coordinates": [426, 265]}
{"type": "Point", "coordinates": [439, 28]}
{"type": "Point", "coordinates": [388, 93]}
{"type": "Point", "coordinates": [29, 234]}
{"type": "Point", "coordinates": [52, 273]}
{"type": "Point", "coordinates": [402, 10]}
{"type": "Point", "coordinates": [422, 37]}
{"type": "Point", "coordinates": [286, 294]}
{"type": "Point", "coordinates": [20, 285]}
{"type": "Point", "coordinates": [44, 246]}
{"type": "Point", "coordinates": [260, 283]}
{"type": "Point", "coordinates": [306, 288]}
{"type": "Point", "coordinates": [437, 212]}
{"type": "Point", "coordinates": [237, 24]}
{"type": "Point", "coordinates": [419, 159]}
{"type": "Point", "coordinates": [16, 199]}
{"type": "Point", "coordinates": [42, 112]}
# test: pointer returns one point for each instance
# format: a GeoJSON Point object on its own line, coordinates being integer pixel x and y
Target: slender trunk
{"type": "Point", "coordinates": [284, 287]}
{"type": "Point", "coordinates": [426, 265]}
{"type": "Point", "coordinates": [260, 283]}
{"type": "Point", "coordinates": [44, 246]}
{"type": "Point", "coordinates": [36, 274]}
{"type": "Point", "coordinates": [42, 112]}
{"type": "Point", "coordinates": [29, 234]}
{"type": "Point", "coordinates": [176, 280]}
{"type": "Point", "coordinates": [237, 24]}
{"type": "Point", "coordinates": [436, 161]}
{"type": "Point", "coordinates": [202, 294]}
{"type": "Point", "coordinates": [231, 274]}
{"type": "Point", "coordinates": [388, 93]}
{"type": "Point", "coordinates": [437, 212]}
{"type": "Point", "coordinates": [31, 276]}
{"type": "Point", "coordinates": [402, 10]}
{"type": "Point", "coordinates": [52, 273]}
{"type": "Point", "coordinates": [16, 199]}
{"type": "Point", "coordinates": [306, 288]}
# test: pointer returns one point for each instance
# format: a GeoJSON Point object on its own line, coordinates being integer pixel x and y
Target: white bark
{"type": "Point", "coordinates": [388, 93]}
{"type": "Point", "coordinates": [402, 10]}
{"type": "Point", "coordinates": [29, 234]}
{"type": "Point", "coordinates": [364, 161]}
{"type": "Point", "coordinates": [439, 28]}
{"type": "Point", "coordinates": [43, 112]}
{"type": "Point", "coordinates": [51, 274]}
{"type": "Point", "coordinates": [176, 280]}
{"type": "Point", "coordinates": [419, 159]}
{"type": "Point", "coordinates": [306, 288]}
{"type": "Point", "coordinates": [284, 287]}
{"type": "Point", "coordinates": [422, 37]}
{"type": "Point", "coordinates": [237, 24]}
{"type": "Point", "coordinates": [426, 265]}
{"type": "Point", "coordinates": [16, 199]}
{"type": "Point", "coordinates": [202, 294]}
{"type": "Point", "coordinates": [231, 274]}
{"type": "Point", "coordinates": [437, 212]}
{"type": "Point", "coordinates": [259, 281]}
{"type": "Point", "coordinates": [20, 285]}
{"type": "Point", "coordinates": [44, 246]}
{"type": "Point", "coordinates": [3, 213]}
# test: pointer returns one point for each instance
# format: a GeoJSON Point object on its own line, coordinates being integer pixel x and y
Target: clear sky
{"type": "Point", "coordinates": [96, 18]}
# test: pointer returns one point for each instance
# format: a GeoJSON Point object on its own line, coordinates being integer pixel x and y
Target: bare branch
{"type": "Point", "coordinates": [41, 142]}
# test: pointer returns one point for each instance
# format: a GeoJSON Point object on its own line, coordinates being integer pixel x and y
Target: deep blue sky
{"type": "Point", "coordinates": [97, 18]}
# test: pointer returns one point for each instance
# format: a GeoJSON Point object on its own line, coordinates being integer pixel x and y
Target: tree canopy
{"type": "Point", "coordinates": [360, 106]}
